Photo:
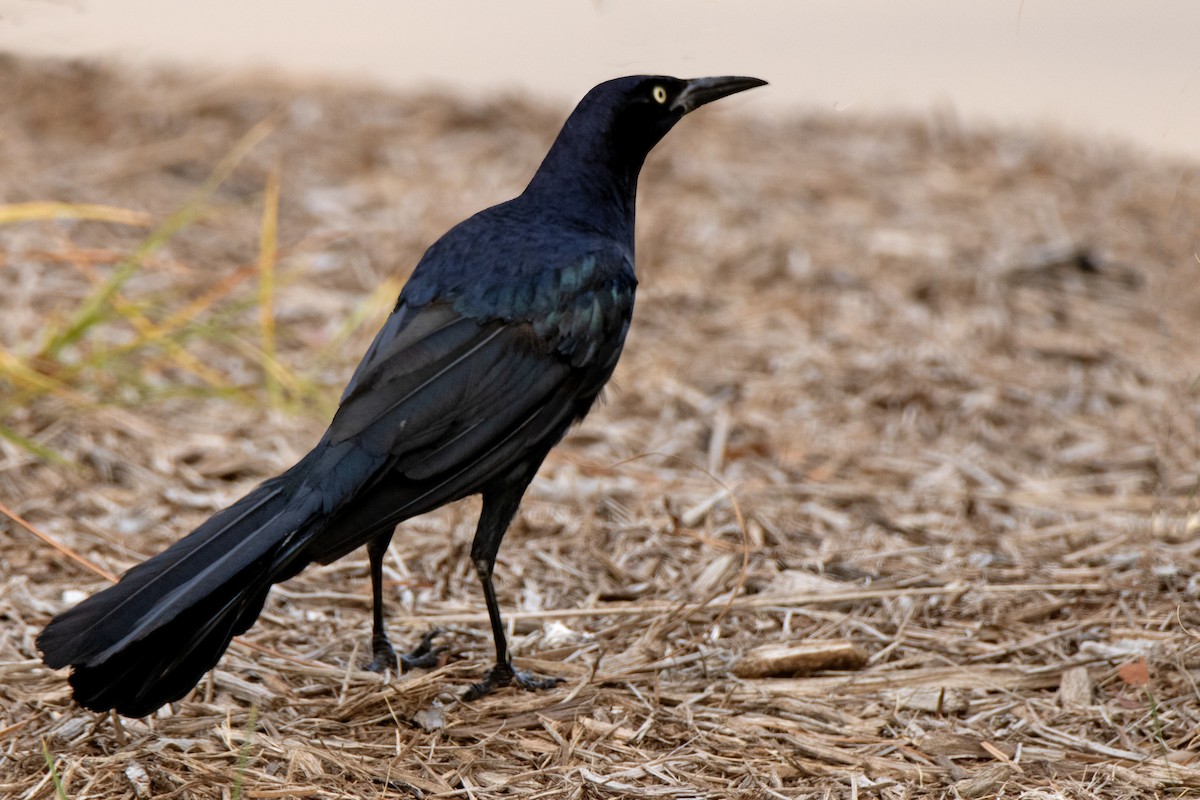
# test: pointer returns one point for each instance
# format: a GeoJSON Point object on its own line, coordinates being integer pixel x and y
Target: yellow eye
{"type": "Point", "coordinates": [659, 94]}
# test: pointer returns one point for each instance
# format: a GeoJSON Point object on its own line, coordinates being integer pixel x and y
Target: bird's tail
{"type": "Point", "coordinates": [150, 638]}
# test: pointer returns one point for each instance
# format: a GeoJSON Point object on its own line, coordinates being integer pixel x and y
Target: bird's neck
{"type": "Point", "coordinates": [583, 181]}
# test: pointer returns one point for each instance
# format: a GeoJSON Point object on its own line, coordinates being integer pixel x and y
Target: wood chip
{"type": "Point", "coordinates": [989, 782]}
{"type": "Point", "coordinates": [800, 658]}
{"type": "Point", "coordinates": [1075, 688]}
{"type": "Point", "coordinates": [934, 699]}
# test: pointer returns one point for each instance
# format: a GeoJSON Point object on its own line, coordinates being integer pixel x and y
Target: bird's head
{"type": "Point", "coordinates": [634, 113]}
{"type": "Point", "coordinates": [600, 150]}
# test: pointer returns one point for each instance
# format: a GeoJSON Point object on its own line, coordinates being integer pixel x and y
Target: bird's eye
{"type": "Point", "coordinates": [659, 94]}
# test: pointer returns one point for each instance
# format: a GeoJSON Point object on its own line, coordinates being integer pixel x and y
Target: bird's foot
{"type": "Point", "coordinates": [384, 657]}
{"type": "Point", "coordinates": [423, 656]}
{"type": "Point", "coordinates": [503, 675]}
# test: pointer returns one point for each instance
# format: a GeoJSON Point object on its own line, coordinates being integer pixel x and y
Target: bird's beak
{"type": "Point", "coordinates": [698, 91]}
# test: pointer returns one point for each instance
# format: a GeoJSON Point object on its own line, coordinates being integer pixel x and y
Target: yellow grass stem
{"type": "Point", "coordinates": [381, 301]}
{"type": "Point", "coordinates": [50, 210]}
{"type": "Point", "coordinates": [280, 374]}
{"type": "Point", "coordinates": [160, 335]}
{"type": "Point", "coordinates": [267, 251]}
{"type": "Point", "coordinates": [92, 309]}
{"type": "Point", "coordinates": [17, 371]}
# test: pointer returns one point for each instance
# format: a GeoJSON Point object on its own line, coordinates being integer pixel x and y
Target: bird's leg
{"type": "Point", "coordinates": [493, 522]}
{"type": "Point", "coordinates": [384, 657]}
{"type": "Point", "coordinates": [503, 674]}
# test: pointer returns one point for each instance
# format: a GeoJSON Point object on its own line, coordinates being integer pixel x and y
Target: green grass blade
{"type": "Point", "coordinates": [58, 785]}
{"type": "Point", "coordinates": [244, 758]}
{"type": "Point", "coordinates": [41, 451]}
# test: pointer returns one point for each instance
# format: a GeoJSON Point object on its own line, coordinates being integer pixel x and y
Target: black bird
{"type": "Point", "coordinates": [502, 338]}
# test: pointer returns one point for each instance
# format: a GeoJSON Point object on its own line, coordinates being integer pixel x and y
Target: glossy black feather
{"type": "Point", "coordinates": [506, 332]}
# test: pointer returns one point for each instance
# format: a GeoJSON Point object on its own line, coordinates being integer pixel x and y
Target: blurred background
{"type": "Point", "coordinates": [1108, 68]}
{"type": "Point", "coordinates": [947, 372]}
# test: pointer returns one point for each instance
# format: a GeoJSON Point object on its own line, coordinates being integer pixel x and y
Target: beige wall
{"type": "Point", "coordinates": [1108, 67]}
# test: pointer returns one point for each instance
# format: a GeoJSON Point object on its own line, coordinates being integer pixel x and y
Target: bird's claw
{"type": "Point", "coordinates": [384, 658]}
{"type": "Point", "coordinates": [423, 656]}
{"type": "Point", "coordinates": [503, 675]}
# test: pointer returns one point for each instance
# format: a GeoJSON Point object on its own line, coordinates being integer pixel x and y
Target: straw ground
{"type": "Point", "coordinates": [917, 390]}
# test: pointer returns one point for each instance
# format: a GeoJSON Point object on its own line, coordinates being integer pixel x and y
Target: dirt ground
{"type": "Point", "coordinates": [924, 389]}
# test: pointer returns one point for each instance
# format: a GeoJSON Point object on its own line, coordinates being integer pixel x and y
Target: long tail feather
{"type": "Point", "coordinates": [148, 640]}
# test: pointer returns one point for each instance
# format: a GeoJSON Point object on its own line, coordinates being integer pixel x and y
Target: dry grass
{"type": "Point", "coordinates": [948, 376]}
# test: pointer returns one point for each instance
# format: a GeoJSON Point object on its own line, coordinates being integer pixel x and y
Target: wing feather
{"type": "Point", "coordinates": [446, 402]}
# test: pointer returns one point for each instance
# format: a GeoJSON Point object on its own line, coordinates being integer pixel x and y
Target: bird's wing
{"type": "Point", "coordinates": [437, 385]}
{"type": "Point", "coordinates": [439, 389]}
{"type": "Point", "coordinates": [443, 405]}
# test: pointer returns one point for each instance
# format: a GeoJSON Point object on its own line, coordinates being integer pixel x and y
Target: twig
{"type": "Point", "coordinates": [59, 546]}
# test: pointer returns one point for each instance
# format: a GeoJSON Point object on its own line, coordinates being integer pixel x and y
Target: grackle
{"type": "Point", "coordinates": [502, 338]}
